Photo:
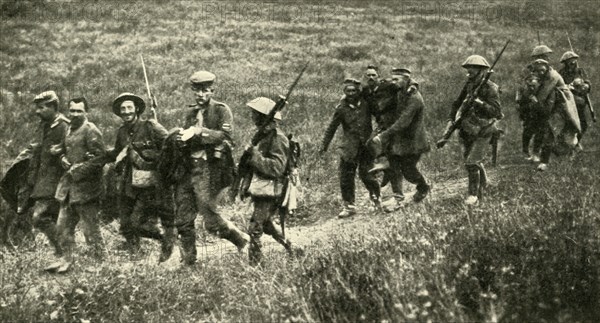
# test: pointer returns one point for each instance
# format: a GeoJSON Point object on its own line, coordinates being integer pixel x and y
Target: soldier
{"type": "Point", "coordinates": [532, 128]}
{"type": "Point", "coordinates": [580, 86]}
{"type": "Point", "coordinates": [268, 160]}
{"type": "Point", "coordinates": [531, 117]}
{"type": "Point", "coordinates": [354, 116]}
{"type": "Point", "coordinates": [137, 149]}
{"type": "Point", "coordinates": [45, 170]}
{"type": "Point", "coordinates": [403, 136]}
{"type": "Point", "coordinates": [555, 98]}
{"type": "Point", "coordinates": [207, 138]}
{"type": "Point", "coordinates": [541, 52]}
{"type": "Point", "coordinates": [79, 190]}
{"type": "Point", "coordinates": [478, 124]}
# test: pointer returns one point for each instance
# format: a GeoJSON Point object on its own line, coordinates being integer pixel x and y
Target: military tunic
{"type": "Point", "coordinates": [406, 139]}
{"type": "Point", "coordinates": [79, 190]}
{"type": "Point", "coordinates": [44, 173]}
{"type": "Point", "coordinates": [269, 160]}
{"type": "Point", "coordinates": [355, 120]}
{"type": "Point", "coordinates": [197, 190]}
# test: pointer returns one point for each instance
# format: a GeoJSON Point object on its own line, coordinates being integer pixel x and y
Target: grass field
{"type": "Point", "coordinates": [530, 252]}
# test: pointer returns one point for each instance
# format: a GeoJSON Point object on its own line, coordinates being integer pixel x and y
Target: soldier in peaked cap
{"type": "Point", "coordinates": [478, 125]}
{"type": "Point", "coordinates": [580, 85]}
{"type": "Point", "coordinates": [402, 136]}
{"type": "Point", "coordinates": [141, 195]}
{"type": "Point", "coordinates": [355, 118]}
{"type": "Point", "coordinates": [268, 160]}
{"type": "Point", "coordinates": [207, 167]}
{"type": "Point", "coordinates": [44, 171]}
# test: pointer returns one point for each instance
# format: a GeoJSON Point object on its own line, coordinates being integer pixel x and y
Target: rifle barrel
{"type": "Point", "coordinates": [146, 77]}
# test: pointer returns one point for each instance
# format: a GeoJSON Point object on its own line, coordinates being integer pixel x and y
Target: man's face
{"type": "Point", "coordinates": [473, 72]}
{"type": "Point", "coordinates": [45, 112]}
{"type": "Point", "coordinates": [202, 93]}
{"type": "Point", "coordinates": [571, 63]}
{"type": "Point", "coordinates": [372, 76]}
{"type": "Point", "coordinates": [77, 112]}
{"type": "Point", "coordinates": [351, 91]}
{"type": "Point", "coordinates": [127, 111]}
{"type": "Point", "coordinates": [400, 80]}
{"type": "Point", "coordinates": [540, 70]}
{"type": "Point", "coordinates": [257, 118]}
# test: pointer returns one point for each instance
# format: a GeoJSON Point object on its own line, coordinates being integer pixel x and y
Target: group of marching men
{"type": "Point", "coordinates": [176, 175]}
{"type": "Point", "coordinates": [170, 175]}
{"type": "Point", "coordinates": [551, 104]}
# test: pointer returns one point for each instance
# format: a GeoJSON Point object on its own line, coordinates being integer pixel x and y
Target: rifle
{"type": "Point", "coordinates": [244, 172]}
{"type": "Point", "coordinates": [150, 97]}
{"type": "Point", "coordinates": [583, 76]}
{"type": "Point", "coordinates": [468, 103]}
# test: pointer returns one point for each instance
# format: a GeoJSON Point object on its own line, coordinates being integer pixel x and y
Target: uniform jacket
{"type": "Point", "coordinates": [217, 125]}
{"type": "Point", "coordinates": [480, 117]}
{"type": "Point", "coordinates": [356, 124]}
{"type": "Point", "coordinates": [45, 170]}
{"type": "Point", "coordinates": [269, 160]}
{"type": "Point", "coordinates": [85, 151]}
{"type": "Point", "coordinates": [145, 138]}
{"type": "Point", "coordinates": [406, 135]}
{"type": "Point", "coordinates": [570, 75]}
{"type": "Point", "coordinates": [215, 139]}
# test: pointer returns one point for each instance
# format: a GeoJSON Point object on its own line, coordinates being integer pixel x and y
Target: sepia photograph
{"type": "Point", "coordinates": [299, 161]}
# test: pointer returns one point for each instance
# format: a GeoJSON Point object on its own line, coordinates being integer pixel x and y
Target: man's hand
{"type": "Point", "coordinates": [65, 163]}
{"type": "Point", "coordinates": [187, 134]}
{"type": "Point", "coordinates": [441, 143]}
{"type": "Point", "coordinates": [56, 150]}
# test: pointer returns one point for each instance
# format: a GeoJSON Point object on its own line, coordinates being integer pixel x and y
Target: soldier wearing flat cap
{"type": "Point", "coordinates": [207, 138]}
{"type": "Point", "coordinates": [141, 195]}
{"type": "Point", "coordinates": [355, 118]}
{"type": "Point", "coordinates": [478, 125]}
{"type": "Point", "coordinates": [402, 135]}
{"type": "Point", "coordinates": [45, 170]}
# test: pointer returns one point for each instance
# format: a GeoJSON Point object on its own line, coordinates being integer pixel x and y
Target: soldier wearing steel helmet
{"type": "Point", "coordinates": [477, 125]}
{"type": "Point", "coordinates": [44, 170]}
{"type": "Point", "coordinates": [136, 152]}
{"type": "Point", "coordinates": [554, 98]}
{"type": "Point", "coordinates": [580, 86]}
{"type": "Point", "coordinates": [268, 161]}
{"type": "Point", "coordinates": [355, 118]}
{"type": "Point", "coordinates": [206, 135]}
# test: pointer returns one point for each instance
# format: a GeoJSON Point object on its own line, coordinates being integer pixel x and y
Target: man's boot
{"type": "Point", "coordinates": [167, 244]}
{"type": "Point", "coordinates": [473, 171]}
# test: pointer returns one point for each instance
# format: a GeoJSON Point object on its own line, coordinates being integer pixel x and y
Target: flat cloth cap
{"type": "Point", "coordinates": [137, 101]}
{"type": "Point", "coordinates": [400, 71]}
{"type": "Point", "coordinates": [264, 106]}
{"type": "Point", "coordinates": [46, 97]}
{"type": "Point", "coordinates": [202, 77]}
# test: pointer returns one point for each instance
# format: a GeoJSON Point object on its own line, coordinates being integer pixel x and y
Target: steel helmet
{"type": "Point", "coordinates": [541, 50]}
{"type": "Point", "coordinates": [476, 60]}
{"type": "Point", "coordinates": [568, 55]}
{"type": "Point", "coordinates": [139, 103]}
{"type": "Point", "coordinates": [264, 106]}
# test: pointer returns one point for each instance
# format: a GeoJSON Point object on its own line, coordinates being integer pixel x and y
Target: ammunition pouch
{"type": "Point", "coordinates": [263, 187]}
